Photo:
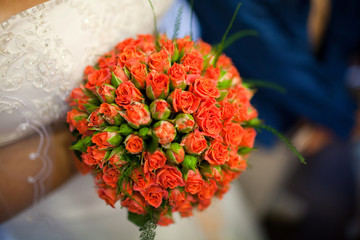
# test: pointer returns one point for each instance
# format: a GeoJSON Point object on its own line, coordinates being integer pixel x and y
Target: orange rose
{"type": "Point", "coordinates": [168, 45]}
{"type": "Point", "coordinates": [184, 44]}
{"type": "Point", "coordinates": [212, 73]}
{"type": "Point", "coordinates": [98, 78]}
{"type": "Point", "coordinates": [139, 73]}
{"type": "Point", "coordinates": [94, 156]}
{"type": "Point", "coordinates": [193, 59]}
{"type": "Point", "coordinates": [177, 76]}
{"type": "Point", "coordinates": [76, 118]}
{"type": "Point", "coordinates": [154, 194]}
{"type": "Point", "coordinates": [205, 88]}
{"type": "Point", "coordinates": [159, 61]}
{"type": "Point", "coordinates": [127, 93]}
{"type": "Point", "coordinates": [233, 134]}
{"type": "Point", "coordinates": [165, 219]}
{"type": "Point", "coordinates": [169, 177]}
{"type": "Point", "coordinates": [111, 113]}
{"type": "Point", "coordinates": [135, 204]}
{"type": "Point", "coordinates": [217, 154]}
{"type": "Point", "coordinates": [96, 119]}
{"type": "Point", "coordinates": [236, 162]}
{"type": "Point", "coordinates": [111, 176]}
{"type": "Point", "coordinates": [141, 179]}
{"type": "Point", "coordinates": [120, 73]}
{"type": "Point", "coordinates": [108, 195]}
{"type": "Point", "coordinates": [184, 101]}
{"type": "Point", "coordinates": [176, 198]}
{"type": "Point", "coordinates": [121, 45]}
{"type": "Point", "coordinates": [154, 160]}
{"type": "Point", "coordinates": [101, 139]}
{"type": "Point", "coordinates": [248, 137]}
{"type": "Point", "coordinates": [208, 118]}
{"type": "Point", "coordinates": [211, 171]}
{"type": "Point", "coordinates": [136, 114]}
{"type": "Point", "coordinates": [227, 110]}
{"type": "Point", "coordinates": [208, 190]}
{"type": "Point", "coordinates": [108, 60]}
{"type": "Point", "coordinates": [203, 204]}
{"type": "Point", "coordinates": [134, 144]}
{"type": "Point", "coordinates": [157, 85]}
{"type": "Point", "coordinates": [194, 182]}
{"type": "Point", "coordinates": [129, 57]}
{"type": "Point", "coordinates": [203, 47]}
{"type": "Point", "coordinates": [194, 143]}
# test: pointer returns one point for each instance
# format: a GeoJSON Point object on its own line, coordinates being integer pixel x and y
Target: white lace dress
{"type": "Point", "coordinates": [43, 52]}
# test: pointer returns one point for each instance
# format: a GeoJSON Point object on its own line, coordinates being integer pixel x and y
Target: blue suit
{"type": "Point", "coordinates": [316, 87]}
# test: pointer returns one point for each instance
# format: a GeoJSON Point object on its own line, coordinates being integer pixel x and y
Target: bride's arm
{"type": "Point", "coordinates": [16, 192]}
{"type": "Point", "coordinates": [11, 7]}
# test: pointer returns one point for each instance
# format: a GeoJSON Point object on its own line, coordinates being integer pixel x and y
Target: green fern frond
{"type": "Point", "coordinates": [178, 22]}
{"type": "Point", "coordinates": [220, 47]}
{"type": "Point", "coordinates": [147, 232]}
{"type": "Point", "coordinates": [259, 83]}
{"type": "Point", "coordinates": [283, 139]}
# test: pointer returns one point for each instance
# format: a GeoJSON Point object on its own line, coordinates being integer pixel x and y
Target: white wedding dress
{"type": "Point", "coordinates": [43, 52]}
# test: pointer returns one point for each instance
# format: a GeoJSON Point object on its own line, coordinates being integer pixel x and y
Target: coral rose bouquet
{"type": "Point", "coordinates": [163, 130]}
{"type": "Point", "coordinates": [164, 126]}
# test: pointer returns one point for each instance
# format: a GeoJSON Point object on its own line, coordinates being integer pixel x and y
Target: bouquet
{"type": "Point", "coordinates": [162, 126]}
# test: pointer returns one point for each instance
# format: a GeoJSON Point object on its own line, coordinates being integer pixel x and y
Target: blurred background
{"type": "Point", "coordinates": [311, 49]}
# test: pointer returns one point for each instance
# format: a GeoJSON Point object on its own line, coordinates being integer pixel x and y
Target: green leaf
{"type": "Point", "coordinates": [225, 84]}
{"type": "Point", "coordinates": [125, 129]}
{"type": "Point", "coordinates": [244, 150]}
{"type": "Point", "coordinates": [115, 80]}
{"type": "Point", "coordinates": [143, 132]}
{"type": "Point", "coordinates": [138, 219]}
{"type": "Point", "coordinates": [111, 129]}
{"type": "Point", "coordinates": [153, 144]}
{"type": "Point", "coordinates": [82, 144]}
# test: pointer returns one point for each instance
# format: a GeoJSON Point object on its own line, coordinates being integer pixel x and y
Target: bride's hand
{"type": "Point", "coordinates": [16, 191]}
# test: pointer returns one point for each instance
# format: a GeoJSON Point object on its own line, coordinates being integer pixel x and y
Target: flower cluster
{"type": "Point", "coordinates": [162, 126]}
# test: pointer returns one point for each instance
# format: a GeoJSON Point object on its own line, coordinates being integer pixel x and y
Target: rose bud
{"type": "Point", "coordinates": [164, 131]}
{"type": "Point", "coordinates": [117, 156]}
{"type": "Point", "coordinates": [160, 109]}
{"type": "Point", "coordinates": [106, 93]}
{"type": "Point", "coordinates": [184, 123]}
{"type": "Point", "coordinates": [194, 182]}
{"type": "Point", "coordinates": [177, 76]}
{"type": "Point", "coordinates": [134, 144]}
{"type": "Point", "coordinates": [157, 85]}
{"type": "Point", "coordinates": [175, 153]}
{"type": "Point", "coordinates": [111, 113]}
{"type": "Point", "coordinates": [109, 195]}
{"type": "Point", "coordinates": [225, 80]}
{"type": "Point", "coordinates": [106, 139]}
{"type": "Point", "coordinates": [119, 75]}
{"type": "Point", "coordinates": [211, 171]}
{"type": "Point", "coordinates": [194, 143]}
{"type": "Point", "coordinates": [125, 129]}
{"type": "Point", "coordinates": [98, 78]}
{"type": "Point", "coordinates": [96, 119]}
{"type": "Point", "coordinates": [137, 115]}
{"type": "Point", "coordinates": [139, 74]}
{"type": "Point", "coordinates": [190, 162]}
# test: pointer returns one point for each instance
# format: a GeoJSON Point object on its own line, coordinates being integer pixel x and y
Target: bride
{"type": "Point", "coordinates": [44, 47]}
